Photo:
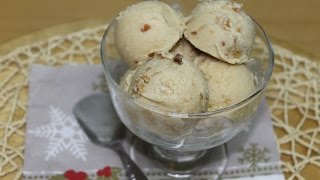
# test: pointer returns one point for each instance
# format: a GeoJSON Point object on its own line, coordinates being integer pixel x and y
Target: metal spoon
{"type": "Point", "coordinates": [98, 119]}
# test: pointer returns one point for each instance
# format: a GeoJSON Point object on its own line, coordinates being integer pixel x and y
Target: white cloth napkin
{"type": "Point", "coordinates": [57, 147]}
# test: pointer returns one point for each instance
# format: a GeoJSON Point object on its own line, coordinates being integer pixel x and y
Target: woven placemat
{"type": "Point", "coordinates": [293, 95]}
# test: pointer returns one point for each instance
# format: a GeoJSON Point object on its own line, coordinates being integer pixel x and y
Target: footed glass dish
{"type": "Point", "coordinates": [180, 141]}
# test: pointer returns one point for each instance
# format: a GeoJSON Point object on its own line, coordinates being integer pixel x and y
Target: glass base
{"type": "Point", "coordinates": [203, 164]}
{"type": "Point", "coordinates": [178, 163]}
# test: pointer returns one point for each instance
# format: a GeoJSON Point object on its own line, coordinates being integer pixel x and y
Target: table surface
{"type": "Point", "coordinates": [294, 23]}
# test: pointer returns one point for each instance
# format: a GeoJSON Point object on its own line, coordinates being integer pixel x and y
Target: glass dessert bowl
{"type": "Point", "coordinates": [180, 140]}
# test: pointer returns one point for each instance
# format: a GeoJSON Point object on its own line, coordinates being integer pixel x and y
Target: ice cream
{"type": "Point", "coordinates": [221, 29]}
{"type": "Point", "coordinates": [148, 36]}
{"type": "Point", "coordinates": [172, 83]}
{"type": "Point", "coordinates": [147, 27]}
{"type": "Point", "coordinates": [186, 49]}
{"type": "Point", "coordinates": [201, 71]}
{"type": "Point", "coordinates": [228, 84]}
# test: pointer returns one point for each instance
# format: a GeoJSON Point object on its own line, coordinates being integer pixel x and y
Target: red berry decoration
{"type": "Point", "coordinates": [105, 172]}
{"type": "Point", "coordinates": [73, 175]}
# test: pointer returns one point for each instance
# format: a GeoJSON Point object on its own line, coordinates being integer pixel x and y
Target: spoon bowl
{"type": "Point", "coordinates": [98, 119]}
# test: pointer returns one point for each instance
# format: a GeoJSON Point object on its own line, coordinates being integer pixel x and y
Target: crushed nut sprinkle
{"type": "Point", "coordinates": [194, 33]}
{"type": "Point", "coordinates": [235, 51]}
{"type": "Point", "coordinates": [136, 62]}
{"type": "Point", "coordinates": [155, 54]}
{"type": "Point", "coordinates": [237, 10]}
{"type": "Point", "coordinates": [145, 28]}
{"type": "Point", "coordinates": [136, 90]}
{"type": "Point", "coordinates": [223, 43]}
{"type": "Point", "coordinates": [239, 30]}
{"type": "Point", "coordinates": [236, 7]}
{"type": "Point", "coordinates": [226, 23]}
{"type": "Point", "coordinates": [151, 55]}
{"type": "Point", "coordinates": [145, 79]}
{"type": "Point", "coordinates": [178, 59]}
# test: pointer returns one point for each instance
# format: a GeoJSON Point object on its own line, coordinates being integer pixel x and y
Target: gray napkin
{"type": "Point", "coordinates": [57, 147]}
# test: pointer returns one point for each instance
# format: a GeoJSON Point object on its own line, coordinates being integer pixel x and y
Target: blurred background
{"type": "Point", "coordinates": [294, 24]}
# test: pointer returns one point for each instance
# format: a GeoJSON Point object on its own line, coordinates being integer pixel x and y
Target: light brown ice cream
{"type": "Point", "coordinates": [228, 84]}
{"type": "Point", "coordinates": [161, 125]}
{"type": "Point", "coordinates": [170, 83]}
{"type": "Point", "coordinates": [221, 29]}
{"type": "Point", "coordinates": [147, 27]}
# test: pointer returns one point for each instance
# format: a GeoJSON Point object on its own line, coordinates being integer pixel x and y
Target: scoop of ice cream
{"type": "Point", "coordinates": [147, 27]}
{"type": "Point", "coordinates": [221, 29]}
{"type": "Point", "coordinates": [170, 83]}
{"type": "Point", "coordinates": [186, 49]}
{"type": "Point", "coordinates": [228, 84]}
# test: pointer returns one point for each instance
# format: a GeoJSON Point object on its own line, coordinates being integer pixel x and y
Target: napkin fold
{"type": "Point", "coordinates": [57, 148]}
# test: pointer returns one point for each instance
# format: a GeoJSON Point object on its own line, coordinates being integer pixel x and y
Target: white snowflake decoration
{"type": "Point", "coordinates": [254, 155]}
{"type": "Point", "coordinates": [64, 134]}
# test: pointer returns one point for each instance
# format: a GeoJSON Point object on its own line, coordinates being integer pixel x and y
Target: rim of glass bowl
{"type": "Point", "coordinates": [189, 115]}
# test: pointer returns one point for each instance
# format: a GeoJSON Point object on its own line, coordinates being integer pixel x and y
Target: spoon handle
{"type": "Point", "coordinates": [133, 172]}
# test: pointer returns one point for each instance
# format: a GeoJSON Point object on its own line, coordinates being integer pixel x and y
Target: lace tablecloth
{"type": "Point", "coordinates": [293, 96]}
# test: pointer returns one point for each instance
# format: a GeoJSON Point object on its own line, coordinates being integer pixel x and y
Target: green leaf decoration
{"type": "Point", "coordinates": [57, 177]}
